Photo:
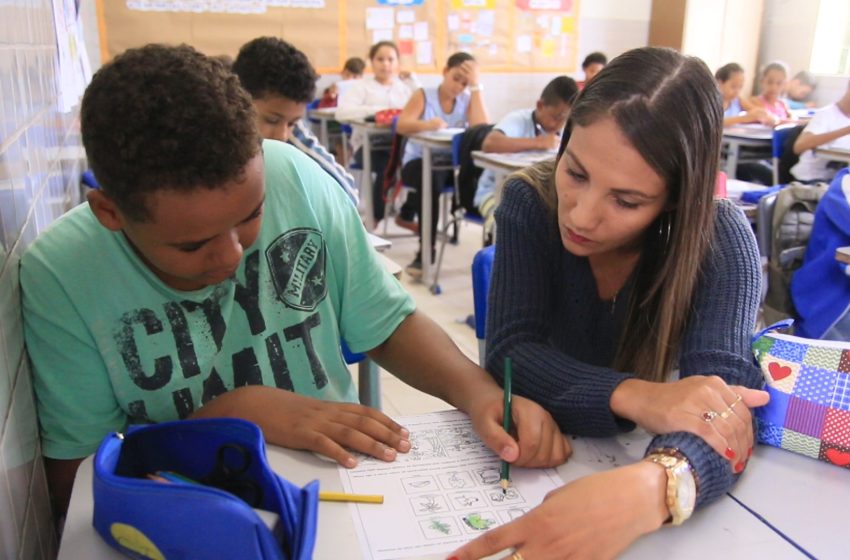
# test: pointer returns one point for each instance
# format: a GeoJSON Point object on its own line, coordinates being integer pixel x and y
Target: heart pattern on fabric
{"type": "Point", "coordinates": [777, 371]}
{"type": "Point", "coordinates": [836, 457]}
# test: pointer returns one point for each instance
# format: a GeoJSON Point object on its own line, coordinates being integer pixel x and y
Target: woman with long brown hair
{"type": "Point", "coordinates": [614, 267]}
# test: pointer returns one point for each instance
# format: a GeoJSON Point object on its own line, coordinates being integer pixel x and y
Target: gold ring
{"type": "Point", "coordinates": [726, 413]}
{"type": "Point", "coordinates": [737, 400]}
{"type": "Point", "coordinates": [517, 556]}
{"type": "Point", "coordinates": [709, 415]}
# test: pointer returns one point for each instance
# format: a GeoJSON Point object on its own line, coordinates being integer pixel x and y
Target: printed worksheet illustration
{"type": "Point", "coordinates": [441, 494]}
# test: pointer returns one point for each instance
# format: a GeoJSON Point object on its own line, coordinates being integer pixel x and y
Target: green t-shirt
{"type": "Point", "coordinates": [111, 344]}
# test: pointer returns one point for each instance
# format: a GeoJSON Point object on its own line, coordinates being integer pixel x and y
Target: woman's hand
{"type": "Point", "coordinates": [539, 443]}
{"type": "Point", "coordinates": [597, 516]}
{"type": "Point", "coordinates": [298, 422]}
{"type": "Point", "coordinates": [702, 405]}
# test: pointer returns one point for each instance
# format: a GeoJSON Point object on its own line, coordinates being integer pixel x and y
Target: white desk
{"type": "Point", "coordinates": [724, 530]}
{"type": "Point", "coordinates": [440, 140]}
{"type": "Point", "coordinates": [834, 154]}
{"type": "Point", "coordinates": [752, 135]}
{"type": "Point", "coordinates": [369, 130]}
{"type": "Point", "coordinates": [324, 116]}
{"type": "Point", "coordinates": [503, 165]}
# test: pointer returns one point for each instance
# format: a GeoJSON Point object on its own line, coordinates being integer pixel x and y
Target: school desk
{"type": "Point", "coordinates": [503, 165]}
{"type": "Point", "coordinates": [324, 115]}
{"type": "Point", "coordinates": [369, 130]}
{"type": "Point", "coordinates": [440, 140]}
{"type": "Point", "coordinates": [726, 529]}
{"type": "Point", "coordinates": [842, 254]}
{"type": "Point", "coordinates": [834, 154]}
{"type": "Point", "coordinates": [756, 136]}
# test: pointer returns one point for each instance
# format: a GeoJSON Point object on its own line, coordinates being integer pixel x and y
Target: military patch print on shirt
{"type": "Point", "coordinates": [297, 263]}
{"type": "Point", "coordinates": [250, 330]}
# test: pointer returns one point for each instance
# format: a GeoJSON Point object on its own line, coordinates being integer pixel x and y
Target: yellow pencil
{"type": "Point", "coordinates": [343, 497]}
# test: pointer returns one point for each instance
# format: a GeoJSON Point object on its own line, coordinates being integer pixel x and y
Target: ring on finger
{"type": "Point", "coordinates": [709, 415]}
{"type": "Point", "coordinates": [517, 556]}
{"type": "Point", "coordinates": [737, 400]}
{"type": "Point", "coordinates": [727, 413]}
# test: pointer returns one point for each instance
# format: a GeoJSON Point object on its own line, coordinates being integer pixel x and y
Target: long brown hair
{"type": "Point", "coordinates": [668, 107]}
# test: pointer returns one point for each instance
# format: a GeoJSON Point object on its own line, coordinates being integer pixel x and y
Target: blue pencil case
{"type": "Point", "coordinates": [217, 500]}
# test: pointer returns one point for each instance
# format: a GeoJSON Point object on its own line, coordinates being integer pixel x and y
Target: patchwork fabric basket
{"type": "Point", "coordinates": [809, 385]}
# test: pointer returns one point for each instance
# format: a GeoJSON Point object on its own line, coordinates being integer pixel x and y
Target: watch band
{"type": "Point", "coordinates": [681, 483]}
{"type": "Point", "coordinates": [478, 87]}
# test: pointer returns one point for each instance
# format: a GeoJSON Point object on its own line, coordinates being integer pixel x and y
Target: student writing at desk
{"type": "Point", "coordinates": [526, 129]}
{"type": "Point", "coordinates": [214, 275]}
{"type": "Point", "coordinates": [730, 82]}
{"type": "Point", "coordinates": [829, 128]}
{"type": "Point", "coordinates": [613, 267]}
{"type": "Point", "coordinates": [456, 103]}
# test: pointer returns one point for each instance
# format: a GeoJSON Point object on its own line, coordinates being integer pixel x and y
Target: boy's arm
{"type": "Point", "coordinates": [809, 141]}
{"type": "Point", "coordinates": [421, 354]}
{"type": "Point", "coordinates": [499, 142]}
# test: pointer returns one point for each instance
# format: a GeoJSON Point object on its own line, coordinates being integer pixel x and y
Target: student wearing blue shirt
{"type": "Point", "coordinates": [526, 129]}
{"type": "Point", "coordinates": [282, 82]}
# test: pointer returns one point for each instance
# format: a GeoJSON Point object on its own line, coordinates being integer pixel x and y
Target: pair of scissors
{"type": "Point", "coordinates": [230, 474]}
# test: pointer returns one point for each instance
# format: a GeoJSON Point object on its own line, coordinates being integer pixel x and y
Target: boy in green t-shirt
{"type": "Point", "coordinates": [214, 275]}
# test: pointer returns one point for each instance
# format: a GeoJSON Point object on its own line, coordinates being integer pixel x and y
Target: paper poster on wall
{"type": "Point", "coordinates": [405, 16]}
{"type": "Point", "coordinates": [420, 31]}
{"type": "Point", "coordinates": [401, 2]}
{"type": "Point", "coordinates": [405, 32]}
{"type": "Point", "coordinates": [379, 35]}
{"type": "Point", "coordinates": [453, 22]}
{"type": "Point", "coordinates": [554, 5]}
{"type": "Point", "coordinates": [424, 53]}
{"type": "Point", "coordinates": [405, 47]}
{"type": "Point", "coordinates": [523, 43]}
{"type": "Point", "coordinates": [485, 22]}
{"type": "Point", "coordinates": [379, 18]}
{"type": "Point", "coordinates": [461, 4]}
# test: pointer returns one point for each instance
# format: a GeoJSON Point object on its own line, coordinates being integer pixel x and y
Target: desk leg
{"type": "Point", "coordinates": [427, 215]}
{"type": "Point", "coordinates": [370, 383]}
{"type": "Point", "coordinates": [366, 183]}
{"type": "Point", "coordinates": [323, 133]}
{"type": "Point", "coordinates": [732, 158]}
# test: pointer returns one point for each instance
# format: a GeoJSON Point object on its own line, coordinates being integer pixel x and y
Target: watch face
{"type": "Point", "coordinates": [686, 493]}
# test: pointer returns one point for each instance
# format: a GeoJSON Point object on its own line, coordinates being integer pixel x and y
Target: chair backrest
{"type": "Point", "coordinates": [782, 148]}
{"type": "Point", "coordinates": [467, 173]}
{"type": "Point", "coordinates": [349, 356]}
{"type": "Point", "coordinates": [482, 266]}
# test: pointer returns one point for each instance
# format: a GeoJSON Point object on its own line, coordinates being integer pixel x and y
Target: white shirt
{"type": "Point", "coordinates": [367, 96]}
{"type": "Point", "coordinates": [811, 166]}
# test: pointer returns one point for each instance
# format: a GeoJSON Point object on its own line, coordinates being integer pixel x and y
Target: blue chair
{"type": "Point", "coordinates": [369, 379]}
{"type": "Point", "coordinates": [482, 266]}
{"type": "Point", "coordinates": [310, 106]}
{"type": "Point", "coordinates": [777, 144]}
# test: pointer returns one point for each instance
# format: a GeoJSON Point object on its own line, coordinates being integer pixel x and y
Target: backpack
{"type": "Point", "coordinates": [468, 172]}
{"type": "Point", "coordinates": [790, 230]}
{"type": "Point", "coordinates": [788, 159]}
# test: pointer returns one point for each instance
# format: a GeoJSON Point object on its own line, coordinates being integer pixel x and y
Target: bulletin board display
{"type": "Point", "coordinates": [503, 35]}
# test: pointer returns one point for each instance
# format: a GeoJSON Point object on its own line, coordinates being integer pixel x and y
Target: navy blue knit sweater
{"type": "Point", "coordinates": [544, 311]}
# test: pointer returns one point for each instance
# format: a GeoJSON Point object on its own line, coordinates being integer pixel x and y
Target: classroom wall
{"type": "Point", "coordinates": [40, 161]}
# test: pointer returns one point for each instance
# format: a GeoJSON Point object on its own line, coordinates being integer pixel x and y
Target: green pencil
{"type": "Point", "coordinates": [506, 424]}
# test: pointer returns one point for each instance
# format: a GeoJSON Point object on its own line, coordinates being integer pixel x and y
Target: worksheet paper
{"type": "Point", "coordinates": [441, 494]}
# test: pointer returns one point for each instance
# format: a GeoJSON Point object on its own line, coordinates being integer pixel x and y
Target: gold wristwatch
{"type": "Point", "coordinates": [681, 483]}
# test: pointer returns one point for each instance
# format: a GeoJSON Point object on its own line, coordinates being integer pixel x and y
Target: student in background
{"type": "Point", "coordinates": [592, 65]}
{"type": "Point", "coordinates": [771, 84]}
{"type": "Point", "coordinates": [216, 278]}
{"type": "Point", "coordinates": [282, 82]}
{"type": "Point", "coordinates": [800, 89]}
{"type": "Point", "coordinates": [730, 81]}
{"type": "Point", "coordinates": [829, 128]}
{"type": "Point", "coordinates": [385, 89]}
{"type": "Point", "coordinates": [607, 273]}
{"type": "Point", "coordinates": [351, 70]}
{"type": "Point", "coordinates": [526, 129]}
{"type": "Point", "coordinates": [456, 103]}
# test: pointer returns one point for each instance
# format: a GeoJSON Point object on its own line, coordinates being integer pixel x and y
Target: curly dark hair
{"type": "Point", "coordinates": [271, 66]}
{"type": "Point", "coordinates": [164, 117]}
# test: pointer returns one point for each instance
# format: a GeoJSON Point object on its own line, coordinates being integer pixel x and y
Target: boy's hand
{"type": "Point", "coordinates": [548, 141]}
{"type": "Point", "coordinates": [539, 442]}
{"type": "Point", "coordinates": [298, 422]}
